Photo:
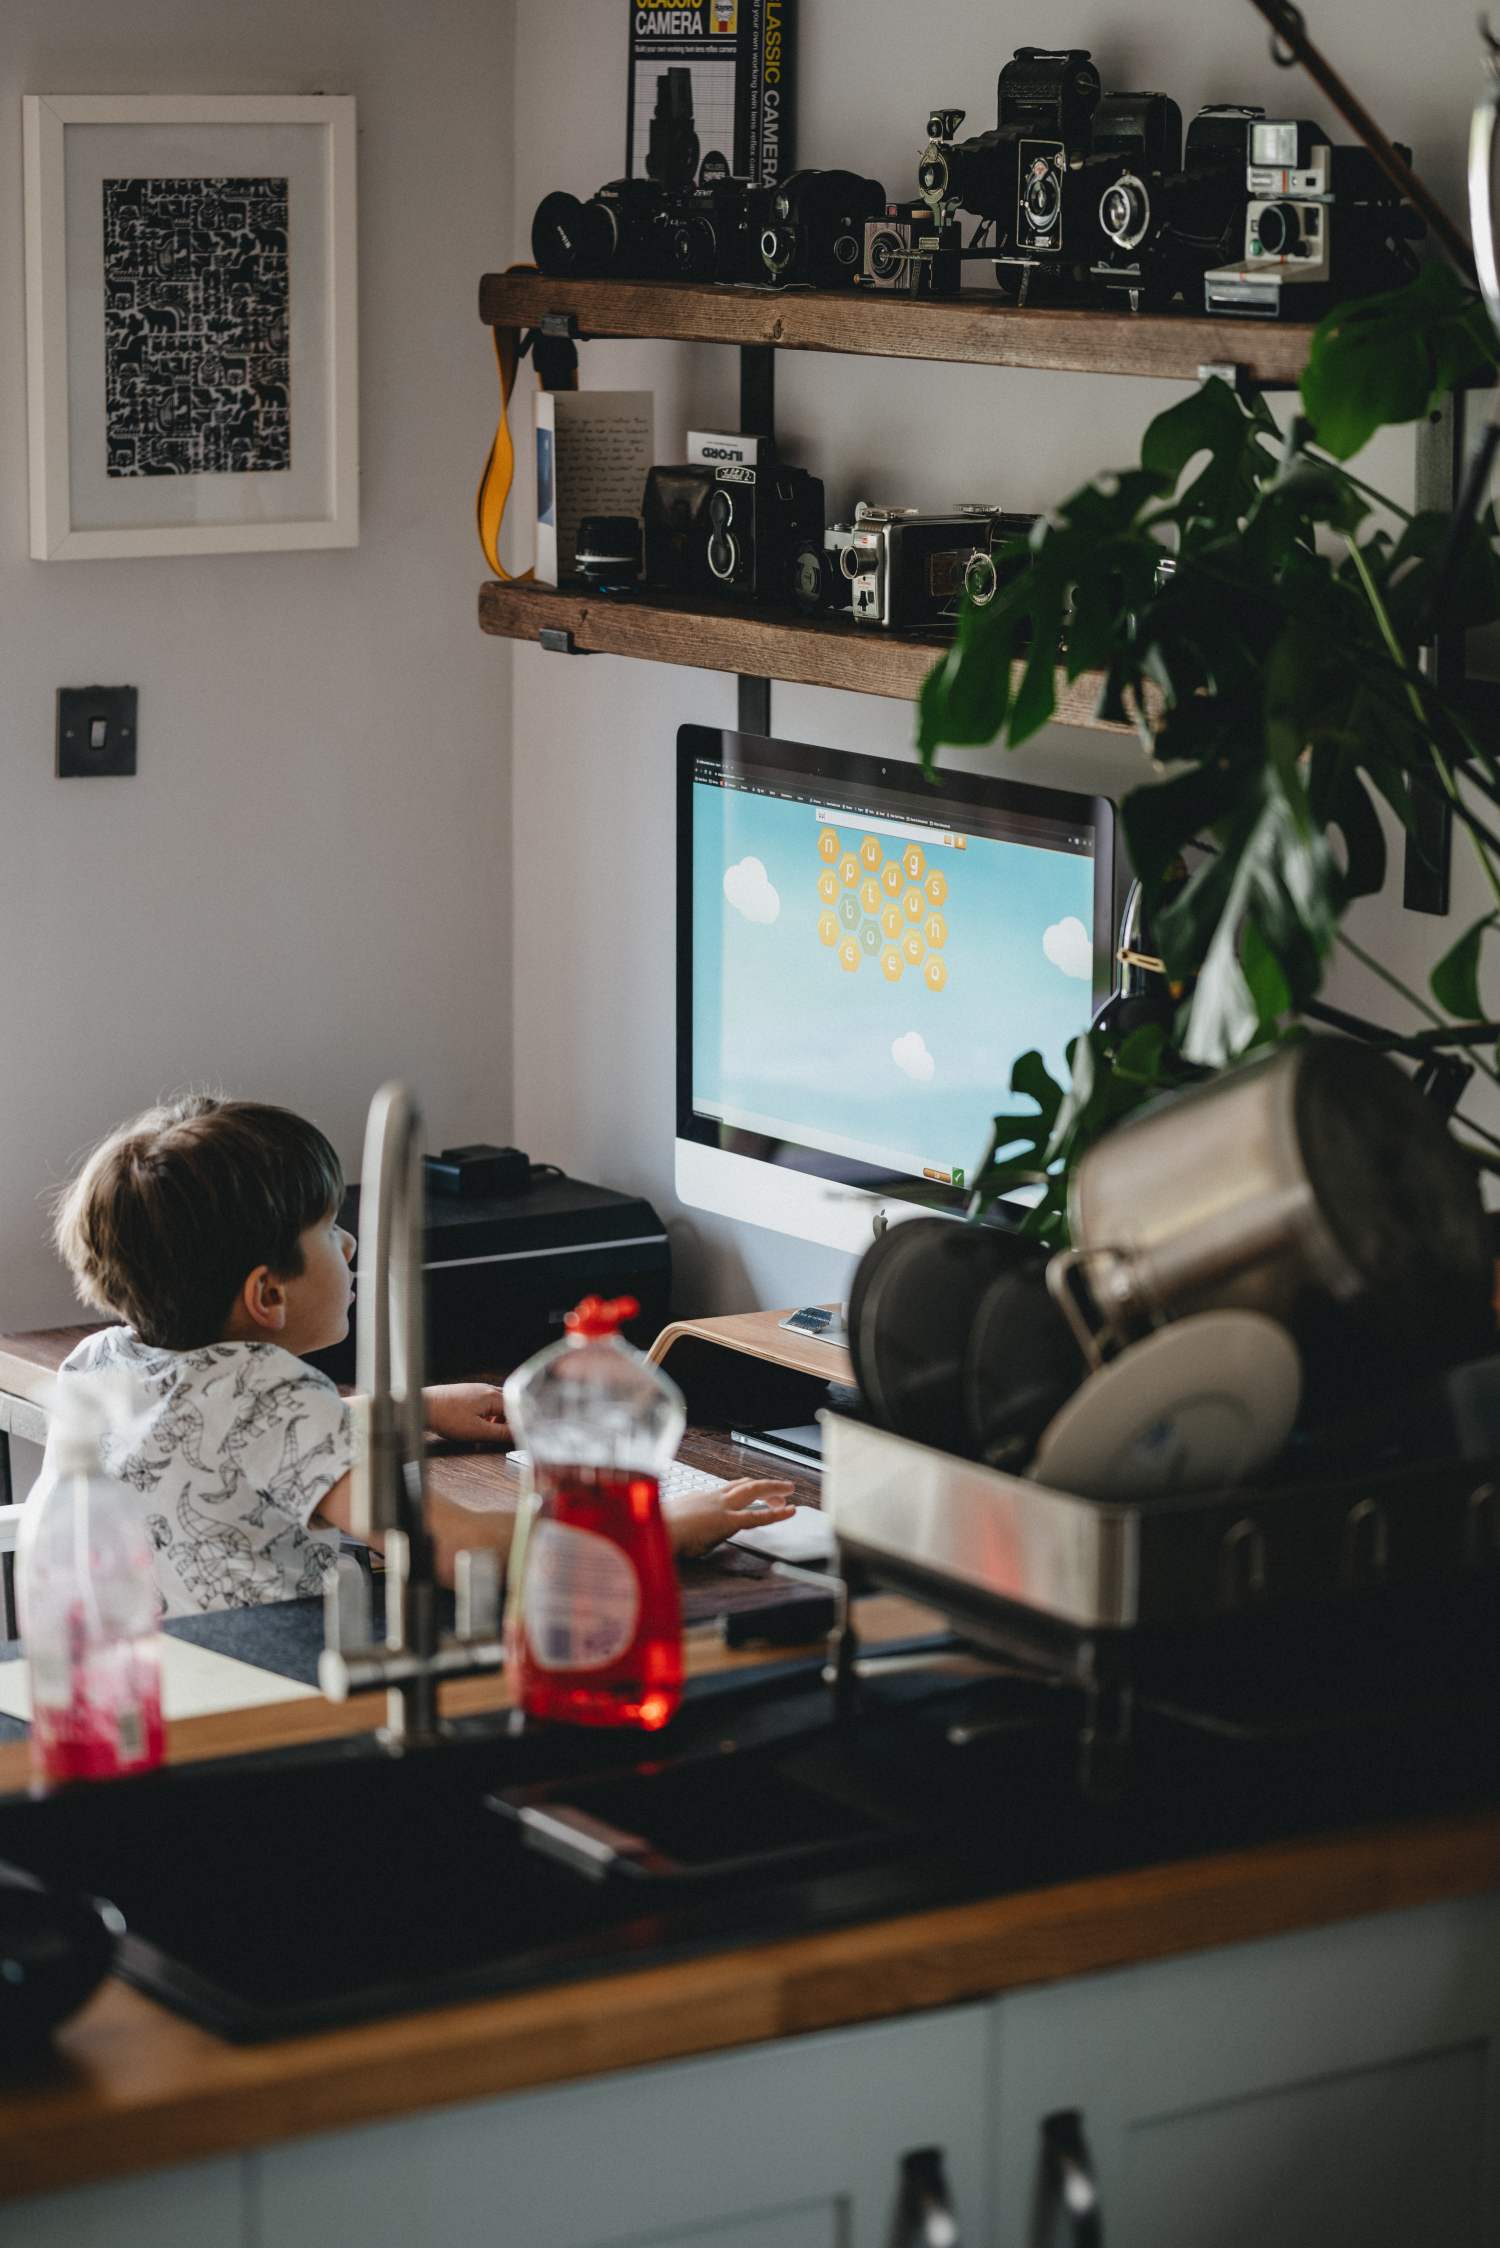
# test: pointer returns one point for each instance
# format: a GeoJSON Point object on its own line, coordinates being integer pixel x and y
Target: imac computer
{"type": "Point", "coordinates": [862, 958]}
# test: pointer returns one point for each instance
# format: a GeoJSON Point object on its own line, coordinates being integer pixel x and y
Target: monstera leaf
{"type": "Point", "coordinates": [1393, 358]}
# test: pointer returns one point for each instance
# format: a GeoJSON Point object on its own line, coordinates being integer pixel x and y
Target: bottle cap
{"type": "Point", "coordinates": [598, 1316]}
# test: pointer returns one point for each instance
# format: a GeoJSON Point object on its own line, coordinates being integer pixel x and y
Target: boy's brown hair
{"type": "Point", "coordinates": [171, 1213]}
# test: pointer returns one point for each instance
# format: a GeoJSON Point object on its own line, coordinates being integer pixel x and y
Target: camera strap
{"type": "Point", "coordinates": [555, 360]}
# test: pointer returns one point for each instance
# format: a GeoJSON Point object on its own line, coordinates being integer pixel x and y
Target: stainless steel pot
{"type": "Point", "coordinates": [1317, 1181]}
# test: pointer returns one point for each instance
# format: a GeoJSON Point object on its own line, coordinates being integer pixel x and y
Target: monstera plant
{"type": "Point", "coordinates": [1274, 678]}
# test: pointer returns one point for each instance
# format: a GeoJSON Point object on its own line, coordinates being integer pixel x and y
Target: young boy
{"type": "Point", "coordinates": [211, 1229]}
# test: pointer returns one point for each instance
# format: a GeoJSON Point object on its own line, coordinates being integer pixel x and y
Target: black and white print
{"type": "Point", "coordinates": [197, 366]}
{"type": "Point", "coordinates": [231, 1450]}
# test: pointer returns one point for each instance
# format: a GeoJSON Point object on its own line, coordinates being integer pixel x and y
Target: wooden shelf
{"type": "Point", "coordinates": [975, 328]}
{"type": "Point", "coordinates": [758, 643]}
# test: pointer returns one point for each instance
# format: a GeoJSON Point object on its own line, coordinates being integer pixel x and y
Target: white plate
{"type": "Point", "coordinates": [1200, 1404]}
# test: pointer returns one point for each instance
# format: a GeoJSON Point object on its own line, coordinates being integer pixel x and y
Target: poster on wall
{"type": "Point", "coordinates": [739, 54]}
{"type": "Point", "coordinates": [191, 336]}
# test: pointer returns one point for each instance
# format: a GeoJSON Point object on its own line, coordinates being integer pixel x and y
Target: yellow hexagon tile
{"type": "Point", "coordinates": [913, 860]}
{"type": "Point", "coordinates": [892, 921]}
{"type": "Point", "coordinates": [912, 945]}
{"type": "Point", "coordinates": [936, 887]}
{"type": "Point", "coordinates": [890, 964]}
{"type": "Point", "coordinates": [869, 854]}
{"type": "Point", "coordinates": [936, 930]}
{"type": "Point", "coordinates": [890, 877]}
{"type": "Point", "coordinates": [829, 845]}
{"type": "Point", "coordinates": [914, 905]}
{"type": "Point", "coordinates": [869, 894]}
{"type": "Point", "coordinates": [848, 870]}
{"type": "Point", "coordinates": [934, 973]}
{"type": "Point", "coordinates": [828, 929]}
{"type": "Point", "coordinates": [828, 885]}
{"type": "Point", "coordinates": [849, 955]}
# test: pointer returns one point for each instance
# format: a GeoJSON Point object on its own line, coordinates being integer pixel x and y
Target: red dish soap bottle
{"type": "Point", "coordinates": [598, 1633]}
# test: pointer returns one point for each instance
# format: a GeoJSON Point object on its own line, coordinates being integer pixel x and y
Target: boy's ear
{"type": "Point", "coordinates": [263, 1299]}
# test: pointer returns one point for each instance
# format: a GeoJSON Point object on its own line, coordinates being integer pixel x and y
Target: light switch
{"type": "Point", "coordinates": [96, 731]}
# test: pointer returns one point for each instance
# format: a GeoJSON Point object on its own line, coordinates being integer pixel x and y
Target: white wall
{"type": "Point", "coordinates": [593, 740]}
{"type": "Point", "coordinates": [305, 888]}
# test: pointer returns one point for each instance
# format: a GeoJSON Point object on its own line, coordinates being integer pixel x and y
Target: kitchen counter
{"type": "Point", "coordinates": [132, 2087]}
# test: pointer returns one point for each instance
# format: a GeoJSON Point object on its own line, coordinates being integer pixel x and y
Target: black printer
{"type": "Point", "coordinates": [503, 1270]}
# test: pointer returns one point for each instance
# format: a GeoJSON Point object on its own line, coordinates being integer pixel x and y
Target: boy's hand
{"type": "Point", "coordinates": [466, 1412]}
{"type": "Point", "coordinates": [700, 1520]}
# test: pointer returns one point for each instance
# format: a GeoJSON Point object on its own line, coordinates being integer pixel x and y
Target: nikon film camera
{"type": "Point", "coordinates": [1164, 230]}
{"type": "Point", "coordinates": [1321, 223]}
{"type": "Point", "coordinates": [910, 572]}
{"type": "Point", "coordinates": [731, 528]}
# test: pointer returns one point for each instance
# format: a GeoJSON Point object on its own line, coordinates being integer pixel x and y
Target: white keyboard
{"type": "Point", "coordinates": [678, 1482]}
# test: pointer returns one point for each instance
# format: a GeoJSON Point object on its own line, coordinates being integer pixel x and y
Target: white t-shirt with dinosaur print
{"type": "Point", "coordinates": [232, 1449]}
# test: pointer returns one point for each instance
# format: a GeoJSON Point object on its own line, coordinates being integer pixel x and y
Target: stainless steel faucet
{"type": "Point", "coordinates": [389, 1469]}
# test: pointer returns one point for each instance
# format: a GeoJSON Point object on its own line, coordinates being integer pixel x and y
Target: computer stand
{"type": "Point", "coordinates": [748, 1370]}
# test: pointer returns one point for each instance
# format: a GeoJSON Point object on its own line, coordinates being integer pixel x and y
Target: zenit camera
{"type": "Point", "coordinates": [912, 572]}
{"type": "Point", "coordinates": [730, 528]}
{"type": "Point", "coordinates": [1321, 223]}
{"type": "Point", "coordinates": [1164, 230]}
{"type": "Point", "coordinates": [814, 230]}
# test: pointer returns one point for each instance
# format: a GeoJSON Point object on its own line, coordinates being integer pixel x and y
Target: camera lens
{"type": "Point", "coordinates": [1125, 212]}
{"type": "Point", "coordinates": [846, 250]}
{"type": "Point", "coordinates": [723, 555]}
{"type": "Point", "coordinates": [856, 562]}
{"type": "Point", "coordinates": [571, 237]}
{"type": "Point", "coordinates": [776, 249]}
{"type": "Point", "coordinates": [721, 508]}
{"type": "Point", "coordinates": [981, 578]}
{"type": "Point", "coordinates": [932, 173]}
{"type": "Point", "coordinates": [1042, 200]}
{"type": "Point", "coordinates": [1279, 229]}
{"type": "Point", "coordinates": [885, 255]}
{"type": "Point", "coordinates": [693, 247]}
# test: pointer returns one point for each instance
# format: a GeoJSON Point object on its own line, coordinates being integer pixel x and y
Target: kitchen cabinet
{"type": "Point", "coordinates": [199, 2206]}
{"type": "Point", "coordinates": [792, 2145]}
{"type": "Point", "coordinates": [1333, 2086]}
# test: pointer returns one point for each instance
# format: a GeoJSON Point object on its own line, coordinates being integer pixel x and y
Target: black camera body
{"type": "Point", "coordinates": [814, 228]}
{"type": "Point", "coordinates": [730, 528]}
{"type": "Point", "coordinates": [1164, 230]}
{"type": "Point", "coordinates": [912, 252]}
{"type": "Point", "coordinates": [1321, 223]}
{"type": "Point", "coordinates": [911, 572]}
{"type": "Point", "coordinates": [1057, 236]}
{"type": "Point", "coordinates": [712, 232]}
{"type": "Point", "coordinates": [1041, 90]}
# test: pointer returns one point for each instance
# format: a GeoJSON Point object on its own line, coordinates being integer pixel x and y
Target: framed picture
{"type": "Point", "coordinates": [191, 323]}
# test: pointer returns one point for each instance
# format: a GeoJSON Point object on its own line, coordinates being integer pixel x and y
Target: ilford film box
{"type": "Point", "coordinates": [593, 448]}
{"type": "Point", "coordinates": [740, 53]}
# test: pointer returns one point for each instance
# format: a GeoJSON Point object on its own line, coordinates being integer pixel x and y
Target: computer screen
{"type": "Point", "coordinates": [863, 956]}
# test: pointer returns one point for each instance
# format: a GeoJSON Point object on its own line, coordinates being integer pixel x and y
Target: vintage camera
{"type": "Point", "coordinates": [675, 221]}
{"type": "Point", "coordinates": [1041, 90]}
{"type": "Point", "coordinates": [911, 572]}
{"type": "Point", "coordinates": [607, 552]}
{"type": "Point", "coordinates": [913, 252]}
{"type": "Point", "coordinates": [1321, 223]}
{"type": "Point", "coordinates": [1058, 237]}
{"type": "Point", "coordinates": [730, 528]}
{"type": "Point", "coordinates": [1164, 230]}
{"type": "Point", "coordinates": [814, 230]}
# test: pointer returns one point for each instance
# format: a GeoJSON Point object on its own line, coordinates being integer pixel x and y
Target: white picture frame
{"type": "Point", "coordinates": [298, 487]}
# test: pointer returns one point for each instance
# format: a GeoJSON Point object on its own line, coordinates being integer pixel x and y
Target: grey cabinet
{"type": "Point", "coordinates": [792, 2145]}
{"type": "Point", "coordinates": [199, 2206]}
{"type": "Point", "coordinates": [1336, 2086]}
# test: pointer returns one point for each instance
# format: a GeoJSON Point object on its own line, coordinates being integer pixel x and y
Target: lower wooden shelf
{"type": "Point", "coordinates": [760, 643]}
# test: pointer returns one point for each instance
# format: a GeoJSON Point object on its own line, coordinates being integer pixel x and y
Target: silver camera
{"type": "Point", "coordinates": [911, 572]}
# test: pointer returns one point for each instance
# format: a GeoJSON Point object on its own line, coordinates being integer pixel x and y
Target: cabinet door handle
{"type": "Point", "coordinates": [1068, 2192]}
{"type": "Point", "coordinates": [926, 2217]}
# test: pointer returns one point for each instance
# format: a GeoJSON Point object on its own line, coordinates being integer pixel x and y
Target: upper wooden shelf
{"type": "Point", "coordinates": [759, 643]}
{"type": "Point", "coordinates": [980, 329]}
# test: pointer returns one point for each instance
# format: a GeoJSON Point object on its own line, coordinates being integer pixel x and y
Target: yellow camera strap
{"type": "Point", "coordinates": [556, 364]}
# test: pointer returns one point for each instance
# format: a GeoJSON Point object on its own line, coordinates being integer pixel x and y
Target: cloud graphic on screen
{"type": "Point", "coordinates": [1067, 946]}
{"type": "Point", "coordinates": [910, 1054]}
{"type": "Point", "coordinates": [751, 891]}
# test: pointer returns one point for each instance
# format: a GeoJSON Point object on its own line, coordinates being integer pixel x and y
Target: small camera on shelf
{"type": "Point", "coordinates": [1040, 90]}
{"type": "Point", "coordinates": [730, 528]}
{"type": "Point", "coordinates": [1164, 230]}
{"type": "Point", "coordinates": [607, 553]}
{"type": "Point", "coordinates": [712, 232]}
{"type": "Point", "coordinates": [814, 228]}
{"type": "Point", "coordinates": [912, 252]}
{"type": "Point", "coordinates": [911, 572]}
{"type": "Point", "coordinates": [1321, 223]}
